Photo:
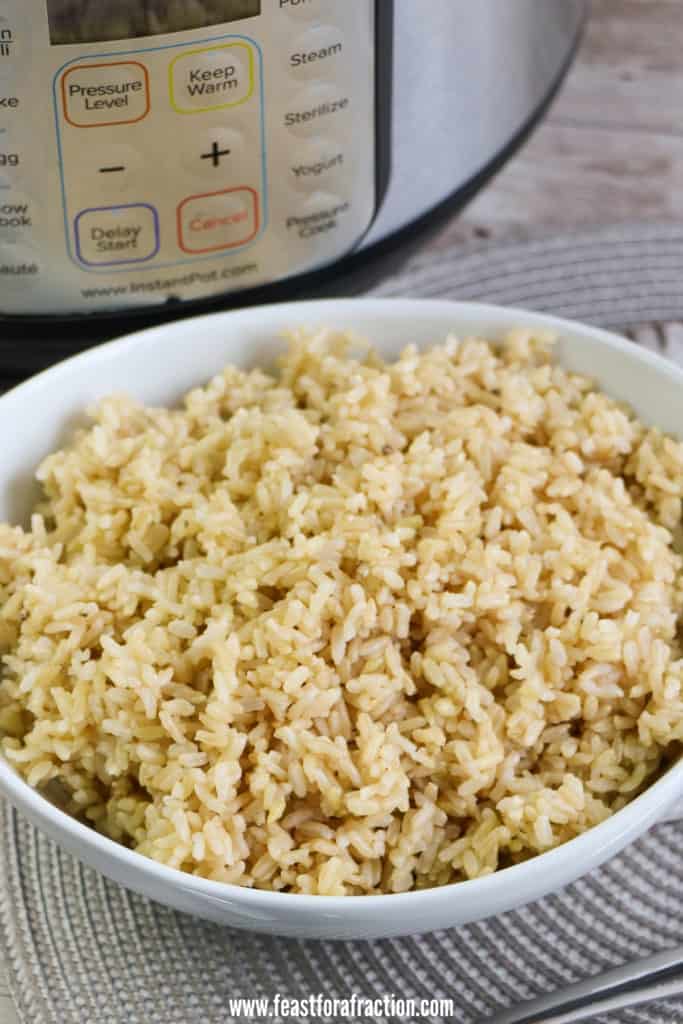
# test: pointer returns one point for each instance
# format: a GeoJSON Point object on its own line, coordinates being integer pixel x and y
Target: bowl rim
{"type": "Point", "coordinates": [594, 845]}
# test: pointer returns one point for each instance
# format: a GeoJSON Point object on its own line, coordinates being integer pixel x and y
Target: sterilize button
{"type": "Point", "coordinates": [106, 93]}
{"type": "Point", "coordinates": [212, 78]}
{"type": "Point", "coordinates": [107, 235]}
{"type": "Point", "coordinates": [317, 53]}
{"type": "Point", "coordinates": [320, 107]}
{"type": "Point", "coordinates": [218, 220]}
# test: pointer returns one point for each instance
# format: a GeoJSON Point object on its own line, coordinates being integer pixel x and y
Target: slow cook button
{"type": "Point", "coordinates": [212, 78]}
{"type": "Point", "coordinates": [317, 108]}
{"type": "Point", "coordinates": [108, 235]}
{"type": "Point", "coordinates": [317, 216]}
{"type": "Point", "coordinates": [318, 164]}
{"type": "Point", "coordinates": [115, 92]}
{"type": "Point", "coordinates": [317, 53]}
{"type": "Point", "coordinates": [17, 214]}
{"type": "Point", "coordinates": [218, 220]}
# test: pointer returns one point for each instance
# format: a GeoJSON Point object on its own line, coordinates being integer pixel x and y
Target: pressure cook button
{"type": "Point", "coordinates": [212, 78]}
{"type": "Point", "coordinates": [318, 164]}
{"type": "Point", "coordinates": [116, 92]}
{"type": "Point", "coordinates": [318, 215]}
{"type": "Point", "coordinates": [317, 108]}
{"type": "Point", "coordinates": [108, 235]}
{"type": "Point", "coordinates": [218, 220]}
{"type": "Point", "coordinates": [317, 53]}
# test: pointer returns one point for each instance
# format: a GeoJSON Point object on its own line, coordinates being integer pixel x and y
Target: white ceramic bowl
{"type": "Point", "coordinates": [158, 365]}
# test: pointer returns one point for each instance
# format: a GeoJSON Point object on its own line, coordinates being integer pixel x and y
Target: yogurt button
{"type": "Point", "coordinates": [317, 164]}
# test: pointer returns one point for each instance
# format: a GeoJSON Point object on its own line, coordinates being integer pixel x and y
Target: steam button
{"type": "Point", "coordinates": [317, 53]}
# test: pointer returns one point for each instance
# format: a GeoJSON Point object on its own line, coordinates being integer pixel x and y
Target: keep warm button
{"type": "Point", "coordinates": [108, 235]}
{"type": "Point", "coordinates": [212, 78]}
{"type": "Point", "coordinates": [213, 221]}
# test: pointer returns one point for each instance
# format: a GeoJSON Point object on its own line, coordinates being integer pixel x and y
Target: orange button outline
{"type": "Point", "coordinates": [105, 64]}
{"type": "Point", "coordinates": [208, 195]}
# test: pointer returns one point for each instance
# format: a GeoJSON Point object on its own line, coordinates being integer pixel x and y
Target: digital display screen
{"type": "Point", "coordinates": [94, 21]}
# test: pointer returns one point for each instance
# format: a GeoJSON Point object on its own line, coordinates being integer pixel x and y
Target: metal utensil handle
{"type": "Point", "coordinates": [654, 977]}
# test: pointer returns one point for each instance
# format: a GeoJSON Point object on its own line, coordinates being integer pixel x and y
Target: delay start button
{"type": "Point", "coordinates": [218, 220]}
{"type": "Point", "coordinates": [108, 235]}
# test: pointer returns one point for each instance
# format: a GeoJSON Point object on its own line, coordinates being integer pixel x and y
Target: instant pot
{"type": "Point", "coordinates": [156, 154]}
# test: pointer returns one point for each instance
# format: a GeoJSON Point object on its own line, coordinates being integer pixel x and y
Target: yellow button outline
{"type": "Point", "coordinates": [215, 106]}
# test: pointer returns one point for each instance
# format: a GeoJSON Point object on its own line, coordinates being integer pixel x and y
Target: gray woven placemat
{"type": "Point", "coordinates": [81, 950]}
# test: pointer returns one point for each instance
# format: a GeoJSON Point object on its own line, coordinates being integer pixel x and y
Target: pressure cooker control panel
{"type": "Point", "coordinates": [182, 164]}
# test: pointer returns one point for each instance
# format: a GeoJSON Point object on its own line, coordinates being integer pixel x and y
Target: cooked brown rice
{"type": "Point", "coordinates": [358, 627]}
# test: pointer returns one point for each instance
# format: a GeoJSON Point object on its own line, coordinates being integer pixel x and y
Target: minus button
{"type": "Point", "coordinates": [111, 168]}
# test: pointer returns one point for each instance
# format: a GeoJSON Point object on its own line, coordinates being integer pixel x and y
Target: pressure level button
{"type": "Point", "coordinates": [105, 94]}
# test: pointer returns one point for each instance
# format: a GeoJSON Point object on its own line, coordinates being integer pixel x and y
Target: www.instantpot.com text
{"type": "Point", "coordinates": [168, 284]}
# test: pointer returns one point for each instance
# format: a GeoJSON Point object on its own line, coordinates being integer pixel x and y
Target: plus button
{"type": "Point", "coordinates": [215, 154]}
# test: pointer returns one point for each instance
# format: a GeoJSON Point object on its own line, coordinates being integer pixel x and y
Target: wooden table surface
{"type": "Point", "coordinates": [610, 150]}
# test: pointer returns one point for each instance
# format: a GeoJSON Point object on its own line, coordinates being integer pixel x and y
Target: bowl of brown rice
{"type": "Point", "coordinates": [344, 619]}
